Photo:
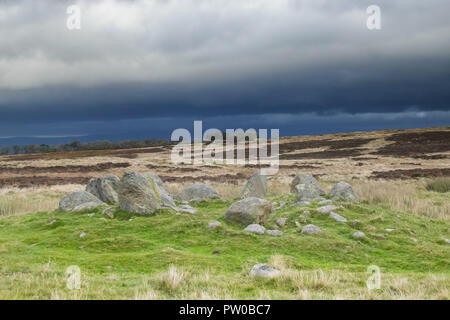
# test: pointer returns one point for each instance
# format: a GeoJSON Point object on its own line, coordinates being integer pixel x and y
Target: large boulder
{"type": "Point", "coordinates": [306, 187]}
{"type": "Point", "coordinates": [136, 194]}
{"type": "Point", "coordinates": [343, 191]}
{"type": "Point", "coordinates": [249, 211]}
{"type": "Point", "coordinates": [256, 186]}
{"type": "Point", "coordinates": [105, 188]}
{"type": "Point", "coordinates": [197, 192]}
{"type": "Point", "coordinates": [305, 179]}
{"type": "Point", "coordinates": [164, 198]}
{"type": "Point", "coordinates": [75, 199]}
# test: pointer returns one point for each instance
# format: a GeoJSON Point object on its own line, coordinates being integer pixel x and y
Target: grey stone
{"type": "Point", "coordinates": [136, 194]}
{"type": "Point", "coordinates": [256, 186]}
{"type": "Point", "coordinates": [298, 224]}
{"type": "Point", "coordinates": [87, 206]}
{"type": "Point", "coordinates": [324, 202]}
{"type": "Point", "coordinates": [326, 209]}
{"type": "Point", "coordinates": [72, 200]}
{"type": "Point", "coordinates": [311, 229]}
{"type": "Point", "coordinates": [275, 233]}
{"type": "Point", "coordinates": [282, 204]}
{"type": "Point", "coordinates": [307, 191]}
{"type": "Point", "coordinates": [255, 228]}
{"type": "Point", "coordinates": [281, 222]}
{"type": "Point", "coordinates": [197, 192]}
{"type": "Point", "coordinates": [264, 271]}
{"type": "Point", "coordinates": [164, 198]}
{"type": "Point", "coordinates": [186, 208]}
{"type": "Point", "coordinates": [90, 215]}
{"type": "Point", "coordinates": [249, 210]}
{"type": "Point", "coordinates": [447, 241]}
{"type": "Point", "coordinates": [83, 234]}
{"type": "Point", "coordinates": [305, 179]}
{"type": "Point", "coordinates": [338, 218]}
{"type": "Point", "coordinates": [389, 230]}
{"type": "Point", "coordinates": [359, 234]}
{"type": "Point", "coordinates": [52, 222]}
{"type": "Point", "coordinates": [414, 239]}
{"type": "Point", "coordinates": [343, 191]}
{"type": "Point", "coordinates": [307, 213]}
{"type": "Point", "coordinates": [105, 188]}
{"type": "Point", "coordinates": [355, 222]}
{"type": "Point", "coordinates": [214, 224]}
{"type": "Point", "coordinates": [303, 203]}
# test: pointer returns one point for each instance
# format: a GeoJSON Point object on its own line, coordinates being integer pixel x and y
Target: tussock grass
{"type": "Point", "coordinates": [441, 185]}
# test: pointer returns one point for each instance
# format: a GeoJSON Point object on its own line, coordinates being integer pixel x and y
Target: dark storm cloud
{"type": "Point", "coordinates": [225, 59]}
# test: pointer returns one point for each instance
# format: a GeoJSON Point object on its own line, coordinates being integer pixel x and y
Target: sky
{"type": "Point", "coordinates": [143, 68]}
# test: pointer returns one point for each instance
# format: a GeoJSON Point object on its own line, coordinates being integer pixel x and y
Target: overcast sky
{"type": "Point", "coordinates": [142, 68]}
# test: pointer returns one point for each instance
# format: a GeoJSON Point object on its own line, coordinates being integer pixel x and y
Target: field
{"type": "Point", "coordinates": [400, 177]}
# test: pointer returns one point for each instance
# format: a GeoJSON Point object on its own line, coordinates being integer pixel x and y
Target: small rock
{"type": "Point", "coordinates": [52, 221]}
{"type": "Point", "coordinates": [303, 203]}
{"type": "Point", "coordinates": [311, 229]}
{"type": "Point", "coordinates": [324, 202]}
{"type": "Point", "coordinates": [275, 233]}
{"type": "Point", "coordinates": [298, 224]}
{"type": "Point", "coordinates": [281, 222]}
{"type": "Point", "coordinates": [337, 217]}
{"type": "Point", "coordinates": [109, 212]}
{"type": "Point", "coordinates": [186, 208]}
{"type": "Point", "coordinates": [90, 215]}
{"type": "Point", "coordinates": [414, 239]}
{"type": "Point", "coordinates": [447, 241]}
{"type": "Point", "coordinates": [389, 230]}
{"type": "Point", "coordinates": [214, 224]}
{"type": "Point", "coordinates": [82, 234]}
{"type": "Point", "coordinates": [359, 234]}
{"type": "Point", "coordinates": [326, 209]}
{"type": "Point", "coordinates": [307, 213]}
{"type": "Point", "coordinates": [355, 222]}
{"type": "Point", "coordinates": [282, 204]}
{"type": "Point", "coordinates": [255, 228]}
{"type": "Point", "coordinates": [264, 271]}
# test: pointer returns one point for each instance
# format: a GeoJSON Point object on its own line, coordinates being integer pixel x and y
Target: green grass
{"type": "Point", "coordinates": [441, 185]}
{"type": "Point", "coordinates": [129, 256]}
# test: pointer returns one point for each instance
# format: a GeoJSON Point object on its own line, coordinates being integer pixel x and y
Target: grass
{"type": "Point", "coordinates": [441, 185]}
{"type": "Point", "coordinates": [168, 256]}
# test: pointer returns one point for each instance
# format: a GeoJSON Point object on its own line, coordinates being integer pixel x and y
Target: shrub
{"type": "Point", "coordinates": [439, 185]}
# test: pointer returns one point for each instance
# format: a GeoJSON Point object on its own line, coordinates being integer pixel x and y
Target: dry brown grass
{"type": "Point", "coordinates": [16, 201]}
{"type": "Point", "coordinates": [407, 196]}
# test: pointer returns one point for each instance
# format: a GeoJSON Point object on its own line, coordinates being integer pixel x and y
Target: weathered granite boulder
{"type": "Point", "coordinates": [197, 192]}
{"type": "Point", "coordinates": [305, 179]}
{"type": "Point", "coordinates": [74, 199]}
{"type": "Point", "coordinates": [343, 191]}
{"type": "Point", "coordinates": [249, 210]}
{"type": "Point", "coordinates": [105, 188]}
{"type": "Point", "coordinates": [164, 198]}
{"type": "Point", "coordinates": [136, 194]}
{"type": "Point", "coordinates": [256, 186]}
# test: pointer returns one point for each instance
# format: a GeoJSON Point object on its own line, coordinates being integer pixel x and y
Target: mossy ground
{"type": "Point", "coordinates": [128, 257]}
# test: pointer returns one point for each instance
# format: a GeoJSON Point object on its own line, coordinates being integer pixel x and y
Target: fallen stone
{"type": "Point", "coordinates": [281, 222]}
{"type": "Point", "coordinates": [338, 218]}
{"type": "Point", "coordinates": [264, 271]}
{"type": "Point", "coordinates": [311, 229]}
{"type": "Point", "coordinates": [87, 206]}
{"type": "Point", "coordinates": [343, 191]}
{"type": "Point", "coordinates": [275, 233]}
{"type": "Point", "coordinates": [256, 186]}
{"type": "Point", "coordinates": [324, 202]}
{"type": "Point", "coordinates": [255, 228]}
{"type": "Point", "coordinates": [214, 224]}
{"type": "Point", "coordinates": [186, 208]}
{"type": "Point", "coordinates": [249, 210]}
{"type": "Point", "coordinates": [197, 192]}
{"type": "Point", "coordinates": [72, 200]}
{"type": "Point", "coordinates": [326, 209]}
{"type": "Point", "coordinates": [359, 234]}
